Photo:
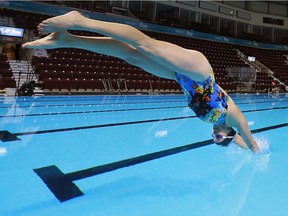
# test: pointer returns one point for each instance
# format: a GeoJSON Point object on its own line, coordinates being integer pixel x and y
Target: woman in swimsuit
{"type": "Point", "coordinates": [189, 68]}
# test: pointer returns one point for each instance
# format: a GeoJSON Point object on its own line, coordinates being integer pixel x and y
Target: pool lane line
{"type": "Point", "coordinates": [71, 99]}
{"type": "Point", "coordinates": [62, 186]}
{"type": "Point", "coordinates": [160, 100]}
{"type": "Point", "coordinates": [115, 110]}
{"type": "Point", "coordinates": [93, 104]}
{"type": "Point", "coordinates": [261, 102]}
{"type": "Point", "coordinates": [91, 111]}
{"type": "Point", "coordinates": [124, 97]}
{"type": "Point", "coordinates": [182, 99]}
{"type": "Point", "coordinates": [7, 136]}
{"type": "Point", "coordinates": [265, 109]}
{"type": "Point", "coordinates": [126, 103]}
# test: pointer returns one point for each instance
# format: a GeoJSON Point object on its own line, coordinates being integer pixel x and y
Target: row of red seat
{"type": "Point", "coordinates": [110, 84]}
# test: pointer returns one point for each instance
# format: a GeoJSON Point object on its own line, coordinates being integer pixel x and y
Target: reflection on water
{"type": "Point", "coordinates": [3, 151]}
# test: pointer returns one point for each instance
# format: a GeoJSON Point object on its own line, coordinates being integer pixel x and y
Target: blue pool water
{"type": "Point", "coordinates": [48, 141]}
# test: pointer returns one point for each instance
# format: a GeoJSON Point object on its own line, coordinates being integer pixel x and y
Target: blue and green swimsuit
{"type": "Point", "coordinates": [205, 98]}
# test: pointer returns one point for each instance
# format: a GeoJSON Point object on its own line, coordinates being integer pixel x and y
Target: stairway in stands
{"type": "Point", "coordinates": [22, 71]}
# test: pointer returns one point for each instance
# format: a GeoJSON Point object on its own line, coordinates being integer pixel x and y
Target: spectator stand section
{"type": "Point", "coordinates": [6, 75]}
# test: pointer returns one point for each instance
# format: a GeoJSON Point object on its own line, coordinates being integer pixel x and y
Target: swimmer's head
{"type": "Point", "coordinates": [223, 135]}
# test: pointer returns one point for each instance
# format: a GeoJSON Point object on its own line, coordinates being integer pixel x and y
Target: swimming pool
{"type": "Point", "coordinates": [73, 155]}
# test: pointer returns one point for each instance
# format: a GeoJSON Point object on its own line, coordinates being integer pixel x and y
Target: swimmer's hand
{"type": "Point", "coordinates": [263, 147]}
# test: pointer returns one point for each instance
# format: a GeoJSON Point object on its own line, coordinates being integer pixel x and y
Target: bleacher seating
{"type": "Point", "coordinates": [275, 60]}
{"type": "Point", "coordinates": [77, 64]}
{"type": "Point", "coordinates": [6, 76]}
{"type": "Point", "coordinates": [21, 19]}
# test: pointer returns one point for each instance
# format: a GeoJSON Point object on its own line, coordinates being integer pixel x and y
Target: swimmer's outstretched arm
{"type": "Point", "coordinates": [188, 62]}
{"type": "Point", "coordinates": [235, 118]}
{"type": "Point", "coordinates": [239, 141]}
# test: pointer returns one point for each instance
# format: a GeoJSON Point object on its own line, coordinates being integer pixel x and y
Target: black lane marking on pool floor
{"type": "Point", "coordinates": [14, 136]}
{"type": "Point", "coordinates": [62, 186]}
{"type": "Point", "coordinates": [6, 136]}
{"type": "Point", "coordinates": [92, 126]}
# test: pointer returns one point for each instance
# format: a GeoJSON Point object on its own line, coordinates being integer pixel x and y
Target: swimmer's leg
{"type": "Point", "coordinates": [102, 45]}
{"type": "Point", "coordinates": [189, 62]}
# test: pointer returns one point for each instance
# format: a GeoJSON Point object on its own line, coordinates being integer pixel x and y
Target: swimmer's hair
{"type": "Point", "coordinates": [231, 132]}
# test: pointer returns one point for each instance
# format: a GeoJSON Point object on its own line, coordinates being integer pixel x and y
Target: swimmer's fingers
{"type": "Point", "coordinates": [263, 145]}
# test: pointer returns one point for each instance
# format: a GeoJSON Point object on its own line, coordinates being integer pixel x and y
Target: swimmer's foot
{"type": "Point", "coordinates": [52, 41]}
{"type": "Point", "coordinates": [68, 21]}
